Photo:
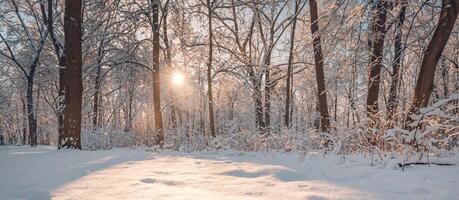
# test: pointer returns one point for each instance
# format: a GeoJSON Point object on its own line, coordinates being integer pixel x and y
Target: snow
{"type": "Point", "coordinates": [43, 172]}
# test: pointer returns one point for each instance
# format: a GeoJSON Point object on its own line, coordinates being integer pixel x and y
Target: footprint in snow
{"type": "Point", "coordinates": [171, 183]}
{"type": "Point", "coordinates": [148, 180]}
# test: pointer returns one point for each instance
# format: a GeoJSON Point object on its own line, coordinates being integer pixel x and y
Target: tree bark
{"type": "Point", "coordinates": [432, 53]}
{"type": "Point", "coordinates": [288, 88]}
{"type": "Point", "coordinates": [156, 73]}
{"type": "Point", "coordinates": [267, 108]}
{"type": "Point", "coordinates": [209, 72]}
{"type": "Point", "coordinates": [377, 46]}
{"type": "Point", "coordinates": [392, 102]}
{"type": "Point", "coordinates": [31, 112]}
{"type": "Point", "coordinates": [61, 62]}
{"type": "Point", "coordinates": [73, 83]}
{"type": "Point", "coordinates": [318, 61]}
{"type": "Point", "coordinates": [24, 123]}
{"type": "Point", "coordinates": [97, 85]}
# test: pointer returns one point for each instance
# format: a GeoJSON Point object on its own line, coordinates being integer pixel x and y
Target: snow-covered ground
{"type": "Point", "coordinates": [45, 173]}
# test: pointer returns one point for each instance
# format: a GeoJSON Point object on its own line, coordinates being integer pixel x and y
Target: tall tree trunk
{"type": "Point", "coordinates": [288, 88]}
{"type": "Point", "coordinates": [167, 48]}
{"type": "Point", "coordinates": [433, 52]}
{"type": "Point", "coordinates": [73, 83]}
{"type": "Point", "coordinates": [156, 73]}
{"type": "Point", "coordinates": [456, 84]}
{"type": "Point", "coordinates": [377, 46]}
{"type": "Point", "coordinates": [395, 75]}
{"type": "Point", "coordinates": [318, 61]}
{"type": "Point", "coordinates": [31, 112]}
{"type": "Point", "coordinates": [61, 62]}
{"type": "Point", "coordinates": [61, 101]}
{"type": "Point", "coordinates": [97, 84]}
{"type": "Point", "coordinates": [209, 72]}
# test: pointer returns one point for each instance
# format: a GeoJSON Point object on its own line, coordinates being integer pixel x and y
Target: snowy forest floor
{"type": "Point", "coordinates": [44, 173]}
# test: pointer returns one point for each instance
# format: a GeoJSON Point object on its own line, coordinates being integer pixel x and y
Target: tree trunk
{"type": "Point", "coordinates": [318, 61]}
{"type": "Point", "coordinates": [31, 112]}
{"type": "Point", "coordinates": [209, 72]}
{"type": "Point", "coordinates": [97, 84]}
{"type": "Point", "coordinates": [24, 123]}
{"type": "Point", "coordinates": [288, 88]}
{"type": "Point", "coordinates": [267, 111]}
{"type": "Point", "coordinates": [377, 46]}
{"type": "Point", "coordinates": [156, 73]}
{"type": "Point", "coordinates": [395, 76]}
{"type": "Point", "coordinates": [258, 104]}
{"type": "Point", "coordinates": [170, 67]}
{"type": "Point", "coordinates": [433, 52]}
{"type": "Point", "coordinates": [61, 101]}
{"type": "Point", "coordinates": [73, 83]}
{"type": "Point", "coordinates": [61, 57]}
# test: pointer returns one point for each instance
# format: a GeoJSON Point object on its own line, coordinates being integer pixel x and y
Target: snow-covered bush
{"type": "Point", "coordinates": [103, 139]}
{"type": "Point", "coordinates": [432, 131]}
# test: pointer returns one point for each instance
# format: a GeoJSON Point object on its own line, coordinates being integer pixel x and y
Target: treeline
{"type": "Point", "coordinates": [288, 74]}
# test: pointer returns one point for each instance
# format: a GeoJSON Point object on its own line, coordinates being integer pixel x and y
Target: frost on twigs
{"type": "Point", "coordinates": [432, 133]}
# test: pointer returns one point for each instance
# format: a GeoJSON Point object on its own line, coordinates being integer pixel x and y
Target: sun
{"type": "Point", "coordinates": [177, 78]}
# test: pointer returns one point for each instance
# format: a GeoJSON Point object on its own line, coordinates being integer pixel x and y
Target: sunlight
{"type": "Point", "coordinates": [177, 78]}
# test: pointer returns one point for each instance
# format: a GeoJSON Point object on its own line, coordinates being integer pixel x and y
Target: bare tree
{"type": "Point", "coordinates": [73, 83]}
{"type": "Point", "coordinates": [396, 65]}
{"type": "Point", "coordinates": [378, 33]}
{"type": "Point", "coordinates": [29, 66]}
{"type": "Point", "coordinates": [156, 70]}
{"type": "Point", "coordinates": [289, 81]}
{"type": "Point", "coordinates": [432, 53]}
{"type": "Point", "coordinates": [210, 7]}
{"type": "Point", "coordinates": [319, 60]}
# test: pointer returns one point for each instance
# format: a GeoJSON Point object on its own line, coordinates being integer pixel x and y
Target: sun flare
{"type": "Point", "coordinates": [177, 78]}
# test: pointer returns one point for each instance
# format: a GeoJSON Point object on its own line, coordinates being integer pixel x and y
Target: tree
{"type": "Point", "coordinates": [156, 72]}
{"type": "Point", "coordinates": [378, 34]}
{"type": "Point", "coordinates": [395, 75]}
{"type": "Point", "coordinates": [59, 52]}
{"type": "Point", "coordinates": [33, 46]}
{"type": "Point", "coordinates": [73, 83]}
{"type": "Point", "coordinates": [319, 60]}
{"type": "Point", "coordinates": [289, 81]}
{"type": "Point", "coordinates": [210, 5]}
{"type": "Point", "coordinates": [432, 53]}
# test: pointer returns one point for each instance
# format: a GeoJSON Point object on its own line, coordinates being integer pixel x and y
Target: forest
{"type": "Point", "coordinates": [371, 78]}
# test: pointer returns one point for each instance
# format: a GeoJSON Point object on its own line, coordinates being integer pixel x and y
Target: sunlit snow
{"type": "Point", "coordinates": [45, 173]}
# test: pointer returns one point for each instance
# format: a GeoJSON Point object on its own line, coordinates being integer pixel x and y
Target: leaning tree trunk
{"type": "Point", "coordinates": [424, 83]}
{"type": "Point", "coordinates": [73, 83]}
{"type": "Point", "coordinates": [395, 76]}
{"type": "Point", "coordinates": [156, 73]}
{"type": "Point", "coordinates": [318, 61]}
{"type": "Point", "coordinates": [374, 68]}
{"type": "Point", "coordinates": [209, 72]}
